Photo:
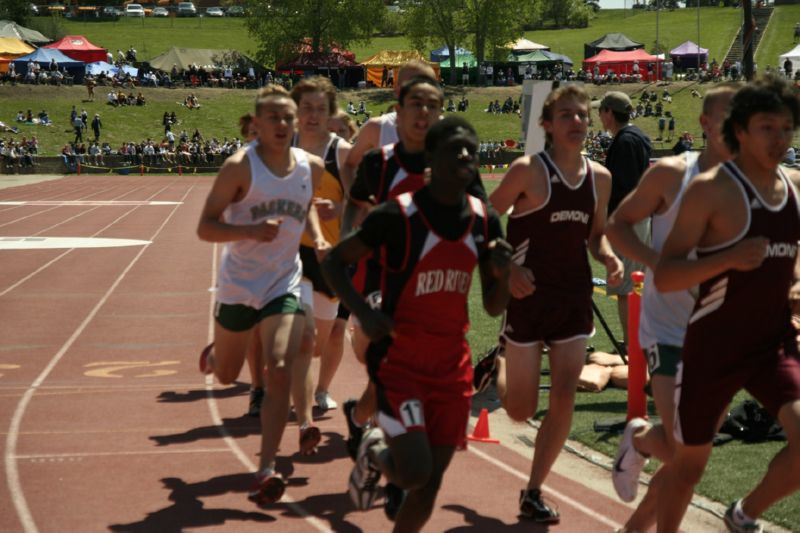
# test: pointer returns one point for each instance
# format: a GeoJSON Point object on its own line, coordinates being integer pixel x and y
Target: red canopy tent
{"type": "Point", "coordinates": [622, 62]}
{"type": "Point", "coordinates": [79, 48]}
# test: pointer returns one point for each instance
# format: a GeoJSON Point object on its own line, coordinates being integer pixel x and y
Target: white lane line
{"type": "Point", "coordinates": [114, 454]}
{"type": "Point", "coordinates": [72, 203]}
{"type": "Point", "coordinates": [12, 472]}
{"type": "Point", "coordinates": [561, 496]}
{"type": "Point", "coordinates": [61, 195]}
{"type": "Point", "coordinates": [59, 256]}
{"type": "Point", "coordinates": [213, 409]}
{"type": "Point", "coordinates": [55, 243]}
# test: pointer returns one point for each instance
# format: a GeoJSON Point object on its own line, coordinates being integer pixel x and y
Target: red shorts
{"type": "Point", "coordinates": [706, 384]}
{"type": "Point", "coordinates": [406, 405]}
{"type": "Point", "coordinates": [532, 320]}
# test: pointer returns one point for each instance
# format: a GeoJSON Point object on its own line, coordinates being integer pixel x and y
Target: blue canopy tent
{"type": "Point", "coordinates": [101, 66]}
{"type": "Point", "coordinates": [443, 54]}
{"type": "Point", "coordinates": [43, 56]}
{"type": "Point", "coordinates": [558, 57]}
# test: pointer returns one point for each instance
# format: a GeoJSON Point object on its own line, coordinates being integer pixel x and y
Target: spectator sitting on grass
{"type": "Point", "coordinates": [191, 102]}
{"type": "Point", "coordinates": [20, 116]}
{"type": "Point", "coordinates": [140, 100]}
{"type": "Point", "coordinates": [5, 128]}
{"type": "Point", "coordinates": [44, 118]}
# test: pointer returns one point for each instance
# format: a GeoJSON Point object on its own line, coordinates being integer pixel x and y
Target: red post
{"type": "Point", "coordinates": [637, 369]}
{"type": "Point", "coordinates": [141, 170]}
{"type": "Point", "coordinates": [78, 168]}
{"type": "Point", "coordinates": [180, 170]}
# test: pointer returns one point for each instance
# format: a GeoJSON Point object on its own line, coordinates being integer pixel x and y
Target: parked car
{"type": "Point", "coordinates": [134, 10]}
{"type": "Point", "coordinates": [111, 12]}
{"type": "Point", "coordinates": [160, 12]}
{"type": "Point", "coordinates": [235, 11]}
{"type": "Point", "coordinates": [187, 9]}
{"type": "Point", "coordinates": [214, 12]}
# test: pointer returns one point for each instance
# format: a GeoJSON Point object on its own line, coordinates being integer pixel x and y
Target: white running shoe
{"type": "Point", "coordinates": [736, 522]}
{"type": "Point", "coordinates": [324, 401]}
{"type": "Point", "coordinates": [628, 463]}
{"type": "Point", "coordinates": [363, 482]}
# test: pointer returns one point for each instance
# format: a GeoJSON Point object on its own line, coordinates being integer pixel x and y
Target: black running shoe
{"type": "Point", "coordinates": [486, 369]}
{"type": "Point", "coordinates": [354, 433]}
{"type": "Point", "coordinates": [393, 499]}
{"type": "Point", "coordinates": [531, 505]}
{"type": "Point", "coordinates": [256, 399]}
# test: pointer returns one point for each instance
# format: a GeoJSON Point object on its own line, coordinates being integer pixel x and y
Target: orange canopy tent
{"type": "Point", "coordinates": [10, 49]}
{"type": "Point", "coordinates": [394, 59]}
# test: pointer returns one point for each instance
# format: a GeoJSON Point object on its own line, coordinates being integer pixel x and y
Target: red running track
{"type": "Point", "coordinates": [109, 426]}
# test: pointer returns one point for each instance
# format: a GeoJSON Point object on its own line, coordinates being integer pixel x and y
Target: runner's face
{"type": "Point", "coordinates": [456, 159]}
{"type": "Point", "coordinates": [275, 120]}
{"type": "Point", "coordinates": [420, 109]}
{"type": "Point", "coordinates": [313, 112]}
{"type": "Point", "coordinates": [570, 122]}
{"type": "Point", "coordinates": [767, 137]}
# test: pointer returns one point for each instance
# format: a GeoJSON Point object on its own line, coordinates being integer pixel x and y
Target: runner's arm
{"type": "Point", "coordinates": [231, 185]}
{"type": "Point", "coordinates": [597, 243]}
{"type": "Point", "coordinates": [513, 185]}
{"type": "Point", "coordinates": [675, 271]}
{"type": "Point", "coordinates": [645, 200]}
{"type": "Point", "coordinates": [495, 269]}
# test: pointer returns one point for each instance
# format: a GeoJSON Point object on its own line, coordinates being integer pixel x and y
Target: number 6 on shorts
{"type": "Point", "coordinates": [411, 413]}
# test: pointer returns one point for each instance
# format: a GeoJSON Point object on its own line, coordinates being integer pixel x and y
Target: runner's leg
{"type": "Point", "coordinates": [518, 379]}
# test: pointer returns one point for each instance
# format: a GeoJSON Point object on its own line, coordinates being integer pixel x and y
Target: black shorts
{"type": "Point", "coordinates": [312, 271]}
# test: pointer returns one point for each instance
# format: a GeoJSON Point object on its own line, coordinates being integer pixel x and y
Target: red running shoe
{"type": "Point", "coordinates": [309, 438]}
{"type": "Point", "coordinates": [267, 488]}
{"type": "Point", "coordinates": [205, 368]}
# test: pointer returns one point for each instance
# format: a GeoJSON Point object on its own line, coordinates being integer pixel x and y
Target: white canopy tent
{"type": "Point", "coordinates": [792, 55]}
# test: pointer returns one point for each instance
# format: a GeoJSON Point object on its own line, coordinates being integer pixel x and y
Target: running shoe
{"type": "Point", "coordinates": [628, 463]}
{"type": "Point", "coordinates": [531, 505]}
{"type": "Point", "coordinates": [205, 367]}
{"type": "Point", "coordinates": [736, 523]}
{"type": "Point", "coordinates": [354, 432]}
{"type": "Point", "coordinates": [309, 438]}
{"type": "Point", "coordinates": [486, 369]}
{"type": "Point", "coordinates": [256, 399]}
{"type": "Point", "coordinates": [393, 499]}
{"type": "Point", "coordinates": [267, 488]}
{"type": "Point", "coordinates": [363, 483]}
{"type": "Point", "coordinates": [324, 401]}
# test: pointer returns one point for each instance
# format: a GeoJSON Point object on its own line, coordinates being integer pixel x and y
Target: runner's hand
{"type": "Point", "coordinates": [748, 254]}
{"type": "Point", "coordinates": [265, 232]}
{"type": "Point", "coordinates": [614, 270]}
{"type": "Point", "coordinates": [327, 209]}
{"type": "Point", "coordinates": [521, 281]}
{"type": "Point", "coordinates": [376, 325]}
{"type": "Point", "coordinates": [500, 258]}
{"type": "Point", "coordinates": [322, 247]}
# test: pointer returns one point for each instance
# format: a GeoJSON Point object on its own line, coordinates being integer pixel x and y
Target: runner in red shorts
{"type": "Point", "coordinates": [743, 220]}
{"type": "Point", "coordinates": [419, 359]}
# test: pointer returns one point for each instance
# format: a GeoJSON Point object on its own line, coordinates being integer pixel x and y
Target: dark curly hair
{"type": "Point", "coordinates": [767, 95]}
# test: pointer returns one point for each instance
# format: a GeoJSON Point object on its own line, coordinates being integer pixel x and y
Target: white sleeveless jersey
{"type": "Point", "coordinates": [664, 315]}
{"type": "Point", "coordinates": [254, 273]}
{"type": "Point", "coordinates": [388, 123]}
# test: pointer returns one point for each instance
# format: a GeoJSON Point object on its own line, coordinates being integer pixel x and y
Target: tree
{"type": "Point", "coordinates": [432, 20]}
{"type": "Point", "coordinates": [17, 10]}
{"type": "Point", "coordinates": [281, 27]}
{"type": "Point", "coordinates": [493, 23]}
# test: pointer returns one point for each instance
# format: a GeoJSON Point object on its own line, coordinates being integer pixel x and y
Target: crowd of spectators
{"type": "Point", "coordinates": [16, 155]}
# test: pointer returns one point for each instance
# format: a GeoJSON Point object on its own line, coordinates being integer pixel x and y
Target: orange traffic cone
{"type": "Point", "coordinates": [481, 431]}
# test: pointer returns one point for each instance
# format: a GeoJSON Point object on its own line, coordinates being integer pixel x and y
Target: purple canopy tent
{"type": "Point", "coordinates": [688, 55]}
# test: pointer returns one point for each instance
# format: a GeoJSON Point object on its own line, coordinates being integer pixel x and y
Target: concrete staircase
{"type": "Point", "coordinates": [762, 16]}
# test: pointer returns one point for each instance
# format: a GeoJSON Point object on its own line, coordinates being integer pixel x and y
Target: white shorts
{"type": "Point", "coordinates": [306, 294]}
{"type": "Point", "coordinates": [325, 307]}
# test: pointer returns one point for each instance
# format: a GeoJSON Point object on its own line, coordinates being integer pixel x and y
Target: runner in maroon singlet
{"type": "Point", "coordinates": [744, 222]}
{"type": "Point", "coordinates": [560, 199]}
{"type": "Point", "coordinates": [419, 359]}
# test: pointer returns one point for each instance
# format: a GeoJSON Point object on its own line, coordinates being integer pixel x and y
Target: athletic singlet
{"type": "Point", "coordinates": [388, 133]}
{"type": "Point", "coordinates": [254, 273]}
{"type": "Point", "coordinates": [427, 298]}
{"type": "Point", "coordinates": [665, 314]}
{"type": "Point", "coordinates": [330, 188]}
{"type": "Point", "coordinates": [550, 239]}
{"type": "Point", "coordinates": [756, 301]}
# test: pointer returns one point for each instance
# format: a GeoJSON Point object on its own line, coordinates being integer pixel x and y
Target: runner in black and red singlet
{"type": "Point", "coordinates": [743, 220]}
{"type": "Point", "coordinates": [430, 243]}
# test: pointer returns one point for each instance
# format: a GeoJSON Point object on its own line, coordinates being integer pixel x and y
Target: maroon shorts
{"type": "Point", "coordinates": [532, 320]}
{"type": "Point", "coordinates": [406, 405]}
{"type": "Point", "coordinates": [706, 384]}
